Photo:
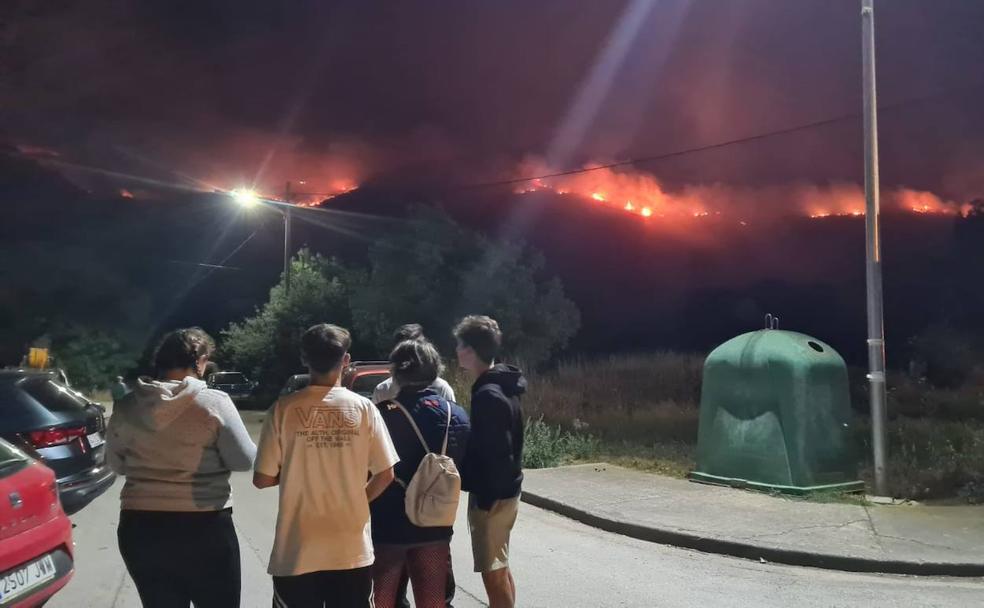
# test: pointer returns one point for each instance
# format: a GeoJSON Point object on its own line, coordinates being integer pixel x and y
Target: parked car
{"type": "Point", "coordinates": [363, 376]}
{"type": "Point", "coordinates": [36, 558]}
{"type": "Point", "coordinates": [295, 383]}
{"type": "Point", "coordinates": [234, 384]}
{"type": "Point", "coordinates": [360, 377]}
{"type": "Point", "coordinates": [59, 426]}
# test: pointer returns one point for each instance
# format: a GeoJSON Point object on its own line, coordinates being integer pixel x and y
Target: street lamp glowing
{"type": "Point", "coordinates": [245, 197]}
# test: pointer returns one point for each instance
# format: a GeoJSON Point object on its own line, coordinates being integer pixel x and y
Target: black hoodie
{"type": "Point", "coordinates": [494, 460]}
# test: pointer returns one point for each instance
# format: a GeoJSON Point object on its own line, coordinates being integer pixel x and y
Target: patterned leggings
{"type": "Point", "coordinates": [428, 569]}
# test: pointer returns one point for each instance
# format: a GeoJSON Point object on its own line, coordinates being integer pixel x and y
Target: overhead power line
{"type": "Point", "coordinates": [723, 144]}
{"type": "Point", "coordinates": [204, 265]}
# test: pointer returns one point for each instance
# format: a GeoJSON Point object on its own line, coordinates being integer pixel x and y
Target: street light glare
{"type": "Point", "coordinates": [245, 197]}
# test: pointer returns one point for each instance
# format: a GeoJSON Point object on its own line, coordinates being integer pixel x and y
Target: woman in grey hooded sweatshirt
{"type": "Point", "coordinates": [176, 442]}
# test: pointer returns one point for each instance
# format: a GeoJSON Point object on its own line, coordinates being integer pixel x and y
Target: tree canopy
{"type": "Point", "coordinates": [432, 271]}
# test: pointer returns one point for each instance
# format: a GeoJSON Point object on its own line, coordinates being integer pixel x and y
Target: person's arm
{"type": "Point", "coordinates": [492, 436]}
{"type": "Point", "coordinates": [378, 483]}
{"type": "Point", "coordinates": [265, 481]}
{"type": "Point", "coordinates": [114, 448]}
{"type": "Point", "coordinates": [236, 447]}
{"type": "Point", "coordinates": [382, 455]}
{"type": "Point", "coordinates": [266, 472]}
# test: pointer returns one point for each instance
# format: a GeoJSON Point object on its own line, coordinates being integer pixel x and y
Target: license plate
{"type": "Point", "coordinates": [96, 440]}
{"type": "Point", "coordinates": [22, 580]}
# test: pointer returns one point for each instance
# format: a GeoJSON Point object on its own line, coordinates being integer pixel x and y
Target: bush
{"type": "Point", "coordinates": [550, 446]}
{"type": "Point", "coordinates": [946, 354]}
{"type": "Point", "coordinates": [908, 397]}
{"type": "Point", "coordinates": [637, 398]}
{"type": "Point", "coordinates": [92, 357]}
{"type": "Point", "coordinates": [266, 346]}
{"type": "Point", "coordinates": [460, 382]}
{"type": "Point", "coordinates": [931, 458]}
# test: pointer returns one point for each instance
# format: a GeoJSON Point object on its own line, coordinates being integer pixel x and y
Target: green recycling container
{"type": "Point", "coordinates": [775, 414]}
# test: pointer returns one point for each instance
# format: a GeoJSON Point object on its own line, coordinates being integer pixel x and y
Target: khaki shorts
{"type": "Point", "coordinates": [490, 532]}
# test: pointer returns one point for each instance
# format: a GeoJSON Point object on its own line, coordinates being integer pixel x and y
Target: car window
{"type": "Point", "coordinates": [11, 459]}
{"type": "Point", "coordinates": [9, 452]}
{"type": "Point", "coordinates": [52, 395]}
{"type": "Point", "coordinates": [229, 378]}
{"type": "Point", "coordinates": [365, 384]}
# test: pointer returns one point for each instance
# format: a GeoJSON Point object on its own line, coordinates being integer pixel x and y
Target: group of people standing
{"type": "Point", "coordinates": [344, 535]}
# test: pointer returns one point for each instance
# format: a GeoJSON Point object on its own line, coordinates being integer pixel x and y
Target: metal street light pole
{"type": "Point", "coordinates": [287, 249]}
{"type": "Point", "coordinates": [876, 323]}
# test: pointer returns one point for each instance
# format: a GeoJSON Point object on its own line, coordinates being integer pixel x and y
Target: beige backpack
{"type": "Point", "coordinates": [435, 488]}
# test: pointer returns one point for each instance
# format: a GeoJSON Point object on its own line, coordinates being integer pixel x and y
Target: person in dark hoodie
{"type": "Point", "coordinates": [176, 442]}
{"type": "Point", "coordinates": [493, 473]}
{"type": "Point", "coordinates": [402, 547]}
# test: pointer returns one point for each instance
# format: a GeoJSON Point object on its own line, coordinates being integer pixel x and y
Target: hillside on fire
{"type": "Point", "coordinates": [676, 279]}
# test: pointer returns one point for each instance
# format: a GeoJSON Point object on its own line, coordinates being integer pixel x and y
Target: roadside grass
{"type": "Point", "coordinates": [930, 458]}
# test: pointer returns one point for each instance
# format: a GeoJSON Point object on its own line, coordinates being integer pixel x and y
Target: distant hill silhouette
{"type": "Point", "coordinates": [639, 286]}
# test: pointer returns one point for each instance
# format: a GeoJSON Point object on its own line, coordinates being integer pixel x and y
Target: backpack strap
{"type": "Point", "coordinates": [447, 431]}
{"type": "Point", "coordinates": [420, 436]}
{"type": "Point", "coordinates": [416, 429]}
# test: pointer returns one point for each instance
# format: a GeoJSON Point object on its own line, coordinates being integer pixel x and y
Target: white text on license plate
{"type": "Point", "coordinates": [96, 440]}
{"type": "Point", "coordinates": [22, 580]}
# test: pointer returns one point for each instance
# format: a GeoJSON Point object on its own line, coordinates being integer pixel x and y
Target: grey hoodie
{"type": "Point", "coordinates": [176, 443]}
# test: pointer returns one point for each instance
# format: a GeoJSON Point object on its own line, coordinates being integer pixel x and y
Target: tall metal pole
{"type": "Point", "coordinates": [287, 251]}
{"type": "Point", "coordinates": [876, 323]}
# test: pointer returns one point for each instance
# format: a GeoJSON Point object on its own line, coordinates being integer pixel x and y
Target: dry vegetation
{"type": "Point", "coordinates": [642, 411]}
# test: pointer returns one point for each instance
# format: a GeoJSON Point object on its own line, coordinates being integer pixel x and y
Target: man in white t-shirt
{"type": "Point", "coordinates": [319, 445]}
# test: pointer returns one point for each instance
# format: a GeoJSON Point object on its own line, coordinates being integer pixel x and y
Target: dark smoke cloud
{"type": "Point", "coordinates": [227, 91]}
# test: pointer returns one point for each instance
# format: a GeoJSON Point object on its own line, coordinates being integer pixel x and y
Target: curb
{"type": "Point", "coordinates": [734, 548]}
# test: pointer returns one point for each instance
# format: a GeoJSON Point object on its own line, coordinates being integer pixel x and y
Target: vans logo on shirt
{"type": "Point", "coordinates": [328, 427]}
{"type": "Point", "coordinates": [328, 418]}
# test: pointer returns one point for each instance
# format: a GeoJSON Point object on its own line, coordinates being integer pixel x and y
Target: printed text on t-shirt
{"type": "Point", "coordinates": [328, 427]}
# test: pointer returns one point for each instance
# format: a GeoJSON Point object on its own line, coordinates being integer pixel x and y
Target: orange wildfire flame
{"type": "Point", "coordinates": [338, 187]}
{"type": "Point", "coordinates": [642, 194]}
{"type": "Point", "coordinates": [298, 197]}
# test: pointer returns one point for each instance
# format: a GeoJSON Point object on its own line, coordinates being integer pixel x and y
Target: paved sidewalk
{"type": "Point", "coordinates": [899, 539]}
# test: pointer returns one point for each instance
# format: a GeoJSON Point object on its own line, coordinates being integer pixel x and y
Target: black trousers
{"type": "Point", "coordinates": [179, 559]}
{"type": "Point", "coordinates": [334, 588]}
{"type": "Point", "coordinates": [449, 588]}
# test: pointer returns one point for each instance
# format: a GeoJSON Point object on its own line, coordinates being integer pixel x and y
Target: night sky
{"type": "Point", "coordinates": [330, 92]}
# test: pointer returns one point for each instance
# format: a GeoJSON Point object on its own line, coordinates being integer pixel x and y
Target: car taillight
{"type": "Point", "coordinates": [52, 437]}
{"type": "Point", "coordinates": [55, 496]}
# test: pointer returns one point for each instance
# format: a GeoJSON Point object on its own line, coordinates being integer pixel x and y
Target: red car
{"type": "Point", "coordinates": [363, 376]}
{"type": "Point", "coordinates": [359, 377]}
{"type": "Point", "coordinates": [35, 535]}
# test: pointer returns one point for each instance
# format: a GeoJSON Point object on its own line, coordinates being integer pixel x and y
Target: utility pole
{"type": "Point", "coordinates": [287, 208]}
{"type": "Point", "coordinates": [876, 322]}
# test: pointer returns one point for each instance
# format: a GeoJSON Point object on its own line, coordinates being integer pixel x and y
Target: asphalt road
{"type": "Point", "coordinates": [557, 563]}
